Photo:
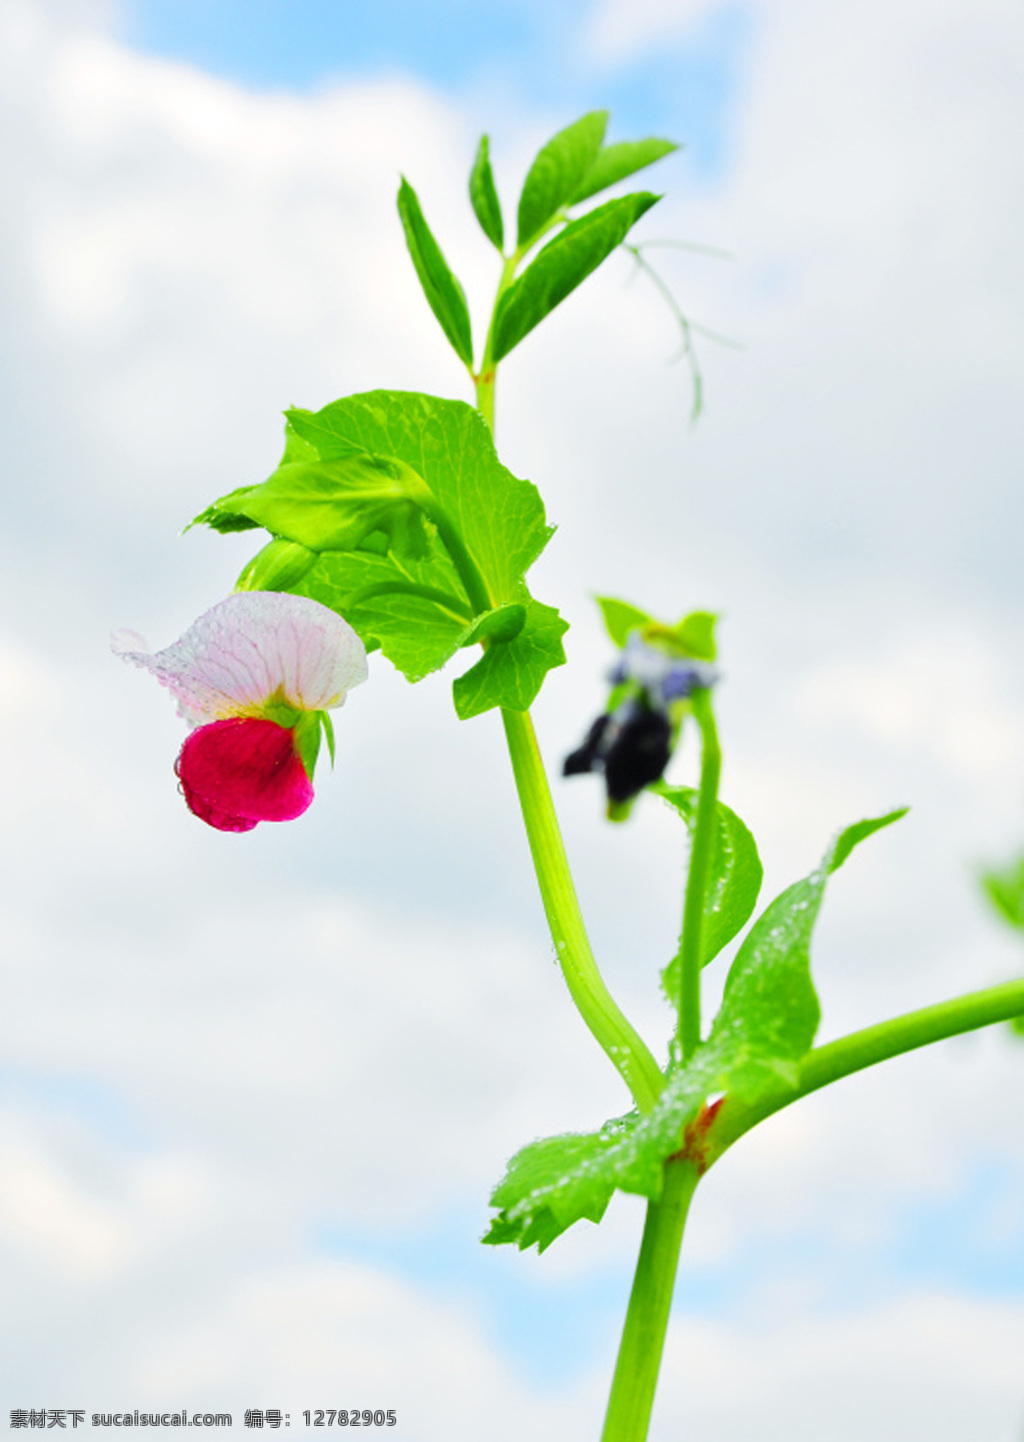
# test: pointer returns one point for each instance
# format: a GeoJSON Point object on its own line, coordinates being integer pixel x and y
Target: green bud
{"type": "Point", "coordinates": [278, 567]}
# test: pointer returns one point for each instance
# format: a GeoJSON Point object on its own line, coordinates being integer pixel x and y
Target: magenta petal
{"type": "Point", "coordinates": [235, 773]}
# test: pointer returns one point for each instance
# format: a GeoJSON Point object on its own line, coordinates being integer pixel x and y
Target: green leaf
{"type": "Point", "coordinates": [225, 514]}
{"type": "Point", "coordinates": [449, 445]}
{"type": "Point", "coordinates": [734, 879]}
{"type": "Point", "coordinates": [615, 162]}
{"type": "Point", "coordinates": [860, 831]}
{"type": "Point", "coordinates": [334, 505]}
{"type": "Point", "coordinates": [552, 1183]}
{"type": "Point", "coordinates": [620, 618]}
{"type": "Point", "coordinates": [763, 1031]}
{"type": "Point", "coordinates": [445, 295]}
{"type": "Point", "coordinates": [1005, 889]}
{"type": "Point", "coordinates": [770, 1012]}
{"type": "Point", "coordinates": [557, 173]}
{"type": "Point", "coordinates": [510, 673]}
{"type": "Point", "coordinates": [484, 197]}
{"type": "Point", "coordinates": [328, 729]}
{"type": "Point", "coordinates": [561, 266]}
{"type": "Point", "coordinates": [408, 601]}
{"type": "Point", "coordinates": [307, 739]}
{"type": "Point", "coordinates": [394, 605]}
{"type": "Point", "coordinates": [695, 635]}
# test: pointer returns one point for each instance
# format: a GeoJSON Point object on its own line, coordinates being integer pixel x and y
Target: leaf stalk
{"type": "Point", "coordinates": [621, 1043]}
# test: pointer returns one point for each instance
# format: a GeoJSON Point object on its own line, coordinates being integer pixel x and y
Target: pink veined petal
{"type": "Point", "coordinates": [238, 772]}
{"type": "Point", "coordinates": [249, 647]}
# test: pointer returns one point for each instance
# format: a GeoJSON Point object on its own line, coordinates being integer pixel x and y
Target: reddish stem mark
{"type": "Point", "coordinates": [695, 1138]}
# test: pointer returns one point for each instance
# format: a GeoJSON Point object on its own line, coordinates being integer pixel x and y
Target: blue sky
{"type": "Point", "coordinates": [969, 1238]}
{"type": "Point", "coordinates": [685, 88]}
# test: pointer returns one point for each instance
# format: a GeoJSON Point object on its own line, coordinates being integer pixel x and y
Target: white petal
{"type": "Point", "coordinates": [250, 647]}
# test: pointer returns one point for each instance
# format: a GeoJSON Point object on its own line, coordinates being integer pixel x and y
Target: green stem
{"type": "Point", "coordinates": [487, 376]}
{"type": "Point", "coordinates": [874, 1044]}
{"type": "Point", "coordinates": [624, 1047]}
{"type": "Point", "coordinates": [643, 1335]}
{"type": "Point", "coordinates": [622, 1044]}
{"type": "Point", "coordinates": [705, 826]}
{"type": "Point", "coordinates": [484, 383]}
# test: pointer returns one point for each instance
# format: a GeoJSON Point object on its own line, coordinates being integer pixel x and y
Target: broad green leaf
{"type": "Point", "coordinates": [620, 618]}
{"type": "Point", "coordinates": [484, 196]}
{"type": "Point", "coordinates": [764, 1029]}
{"type": "Point", "coordinates": [447, 444]}
{"type": "Point", "coordinates": [734, 879]}
{"type": "Point", "coordinates": [770, 1010]}
{"type": "Point", "coordinates": [413, 611]}
{"type": "Point", "coordinates": [334, 505]}
{"type": "Point", "coordinates": [562, 264]}
{"type": "Point", "coordinates": [296, 448]}
{"type": "Point", "coordinates": [445, 295]}
{"type": "Point", "coordinates": [408, 602]}
{"type": "Point", "coordinates": [510, 673]}
{"type": "Point", "coordinates": [614, 162]}
{"type": "Point", "coordinates": [557, 173]}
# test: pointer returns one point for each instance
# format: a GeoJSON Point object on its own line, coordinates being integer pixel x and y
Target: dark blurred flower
{"type": "Point", "coordinates": [631, 744]}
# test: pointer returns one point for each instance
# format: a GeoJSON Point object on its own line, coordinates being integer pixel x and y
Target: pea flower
{"type": "Point", "coordinates": [254, 678]}
{"type": "Point", "coordinates": [632, 742]}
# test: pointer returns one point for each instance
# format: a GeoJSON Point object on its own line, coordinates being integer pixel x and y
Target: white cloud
{"type": "Point", "coordinates": [931, 1364]}
{"type": "Point", "coordinates": [350, 1336]}
{"type": "Point", "coordinates": [58, 1210]}
{"type": "Point", "coordinates": [618, 29]}
{"type": "Point", "coordinates": [43, 1211]}
{"type": "Point", "coordinates": [941, 696]}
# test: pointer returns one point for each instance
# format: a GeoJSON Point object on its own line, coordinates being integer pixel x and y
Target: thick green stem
{"type": "Point", "coordinates": [691, 950]}
{"type": "Point", "coordinates": [612, 1031]}
{"type": "Point", "coordinates": [838, 1059]}
{"type": "Point", "coordinates": [643, 1336]}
